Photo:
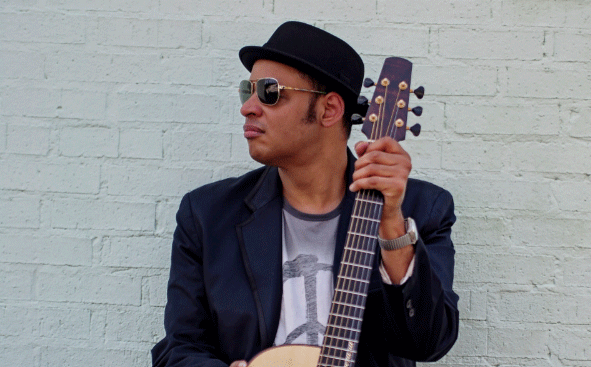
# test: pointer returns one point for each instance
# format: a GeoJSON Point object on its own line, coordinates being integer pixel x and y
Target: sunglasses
{"type": "Point", "coordinates": [267, 90]}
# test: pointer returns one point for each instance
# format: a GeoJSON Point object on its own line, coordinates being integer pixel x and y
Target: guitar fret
{"type": "Point", "coordinates": [349, 317]}
{"type": "Point", "coordinates": [351, 292]}
{"type": "Point", "coordinates": [354, 279]}
{"type": "Point", "coordinates": [357, 330]}
{"type": "Point", "coordinates": [349, 305]}
{"type": "Point", "coordinates": [363, 235]}
{"type": "Point", "coordinates": [369, 201]}
{"type": "Point", "coordinates": [337, 349]}
{"type": "Point", "coordinates": [342, 338]}
{"type": "Point", "coordinates": [359, 250]}
{"type": "Point", "coordinates": [358, 265]}
{"type": "Point", "coordinates": [365, 218]}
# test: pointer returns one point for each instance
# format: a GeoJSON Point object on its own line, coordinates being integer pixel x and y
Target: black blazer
{"type": "Point", "coordinates": [225, 286]}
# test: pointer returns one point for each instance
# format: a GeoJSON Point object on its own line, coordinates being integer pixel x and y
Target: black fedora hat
{"type": "Point", "coordinates": [315, 52]}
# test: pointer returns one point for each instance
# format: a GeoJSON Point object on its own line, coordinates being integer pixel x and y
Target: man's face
{"type": "Point", "coordinates": [282, 134]}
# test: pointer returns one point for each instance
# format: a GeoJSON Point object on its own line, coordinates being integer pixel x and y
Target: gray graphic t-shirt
{"type": "Point", "coordinates": [308, 254]}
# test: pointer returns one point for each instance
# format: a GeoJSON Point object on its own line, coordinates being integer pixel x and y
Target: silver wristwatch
{"type": "Point", "coordinates": [410, 238]}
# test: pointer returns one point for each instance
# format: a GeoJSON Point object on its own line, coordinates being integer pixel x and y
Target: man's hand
{"type": "Point", "coordinates": [238, 364]}
{"type": "Point", "coordinates": [384, 166]}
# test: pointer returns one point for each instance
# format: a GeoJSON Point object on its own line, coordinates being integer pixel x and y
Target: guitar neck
{"type": "Point", "coordinates": [344, 321]}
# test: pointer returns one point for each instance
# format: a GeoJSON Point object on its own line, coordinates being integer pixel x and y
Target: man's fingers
{"type": "Point", "coordinates": [238, 364]}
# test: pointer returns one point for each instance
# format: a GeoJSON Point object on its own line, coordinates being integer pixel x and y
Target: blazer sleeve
{"type": "Point", "coordinates": [187, 320]}
{"type": "Point", "coordinates": [418, 320]}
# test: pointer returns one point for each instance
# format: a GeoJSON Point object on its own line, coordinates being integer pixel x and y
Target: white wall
{"type": "Point", "coordinates": [111, 110]}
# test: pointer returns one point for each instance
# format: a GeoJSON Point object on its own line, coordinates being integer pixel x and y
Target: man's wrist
{"type": "Point", "coordinates": [410, 238]}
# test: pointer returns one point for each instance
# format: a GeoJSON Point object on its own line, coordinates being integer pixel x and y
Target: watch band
{"type": "Point", "coordinates": [410, 238]}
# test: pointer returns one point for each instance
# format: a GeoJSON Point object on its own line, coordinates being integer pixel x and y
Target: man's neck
{"type": "Point", "coordinates": [317, 187]}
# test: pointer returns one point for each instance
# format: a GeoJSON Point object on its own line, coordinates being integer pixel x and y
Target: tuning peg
{"type": "Point", "coordinates": [415, 129]}
{"type": "Point", "coordinates": [419, 92]}
{"type": "Point", "coordinates": [367, 82]}
{"type": "Point", "coordinates": [363, 101]}
{"type": "Point", "coordinates": [356, 119]}
{"type": "Point", "coordinates": [418, 110]}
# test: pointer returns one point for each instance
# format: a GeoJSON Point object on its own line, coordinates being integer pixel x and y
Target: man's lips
{"type": "Point", "coordinates": [252, 131]}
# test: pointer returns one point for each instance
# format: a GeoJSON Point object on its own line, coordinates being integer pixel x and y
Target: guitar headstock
{"type": "Point", "coordinates": [388, 110]}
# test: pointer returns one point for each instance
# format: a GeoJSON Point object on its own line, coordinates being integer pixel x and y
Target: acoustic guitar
{"type": "Point", "coordinates": [386, 116]}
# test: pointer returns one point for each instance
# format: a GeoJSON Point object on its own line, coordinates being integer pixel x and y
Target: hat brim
{"type": "Point", "coordinates": [251, 54]}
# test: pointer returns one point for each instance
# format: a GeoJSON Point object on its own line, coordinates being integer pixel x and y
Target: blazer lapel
{"type": "Point", "coordinates": [260, 242]}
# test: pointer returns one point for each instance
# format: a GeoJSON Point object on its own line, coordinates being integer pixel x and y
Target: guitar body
{"type": "Point", "coordinates": [287, 356]}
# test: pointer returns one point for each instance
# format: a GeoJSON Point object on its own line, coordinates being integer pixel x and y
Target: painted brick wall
{"type": "Point", "coordinates": [111, 110]}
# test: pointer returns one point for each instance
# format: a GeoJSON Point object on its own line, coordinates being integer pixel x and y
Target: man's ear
{"type": "Point", "coordinates": [334, 109]}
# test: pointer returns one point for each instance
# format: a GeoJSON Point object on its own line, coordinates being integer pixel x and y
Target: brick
{"type": "Point", "coordinates": [550, 232]}
{"type": "Point", "coordinates": [542, 308]}
{"type": "Point", "coordinates": [49, 322]}
{"type": "Point", "coordinates": [216, 34]}
{"type": "Point", "coordinates": [3, 133]}
{"type": "Point", "coordinates": [127, 32]}
{"type": "Point", "coordinates": [42, 27]}
{"type": "Point", "coordinates": [578, 347]}
{"type": "Point", "coordinates": [191, 70]}
{"type": "Point", "coordinates": [154, 180]}
{"type": "Point", "coordinates": [121, 327]}
{"type": "Point", "coordinates": [573, 196]}
{"type": "Point", "coordinates": [137, 143]}
{"type": "Point", "coordinates": [36, 102]}
{"type": "Point", "coordinates": [545, 83]}
{"type": "Point", "coordinates": [491, 231]}
{"type": "Point", "coordinates": [503, 268]}
{"type": "Point", "coordinates": [198, 145]}
{"type": "Point", "coordinates": [532, 342]}
{"type": "Point", "coordinates": [20, 213]}
{"type": "Point", "coordinates": [501, 193]}
{"type": "Point", "coordinates": [428, 12]}
{"type": "Point", "coordinates": [160, 107]}
{"type": "Point", "coordinates": [26, 139]}
{"type": "Point", "coordinates": [89, 142]}
{"type": "Point", "coordinates": [577, 270]}
{"type": "Point", "coordinates": [101, 214]}
{"type": "Point", "coordinates": [468, 156]}
{"type": "Point", "coordinates": [91, 356]}
{"type": "Point", "coordinates": [80, 285]}
{"type": "Point", "coordinates": [17, 65]}
{"type": "Point", "coordinates": [572, 157]}
{"type": "Point", "coordinates": [572, 46]}
{"type": "Point", "coordinates": [133, 252]}
{"type": "Point", "coordinates": [425, 153]}
{"type": "Point", "coordinates": [472, 304]}
{"type": "Point", "coordinates": [83, 104]}
{"type": "Point", "coordinates": [401, 41]}
{"type": "Point", "coordinates": [256, 8]}
{"type": "Point", "coordinates": [472, 341]}
{"type": "Point", "coordinates": [166, 216]}
{"type": "Point", "coordinates": [20, 355]}
{"type": "Point", "coordinates": [133, 68]}
{"type": "Point", "coordinates": [17, 284]}
{"type": "Point", "coordinates": [157, 289]}
{"type": "Point", "coordinates": [32, 249]}
{"type": "Point", "coordinates": [107, 5]}
{"type": "Point", "coordinates": [524, 119]}
{"type": "Point", "coordinates": [453, 80]}
{"type": "Point", "coordinates": [50, 177]}
{"type": "Point", "coordinates": [491, 45]}
{"type": "Point", "coordinates": [578, 122]}
{"type": "Point", "coordinates": [179, 34]}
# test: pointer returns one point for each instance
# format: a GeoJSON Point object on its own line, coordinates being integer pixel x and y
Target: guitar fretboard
{"type": "Point", "coordinates": [346, 315]}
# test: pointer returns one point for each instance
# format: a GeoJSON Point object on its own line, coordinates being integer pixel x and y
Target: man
{"type": "Point", "coordinates": [254, 258]}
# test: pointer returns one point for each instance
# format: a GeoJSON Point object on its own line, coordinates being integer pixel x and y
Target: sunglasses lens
{"type": "Point", "coordinates": [244, 90]}
{"type": "Point", "coordinates": [268, 90]}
